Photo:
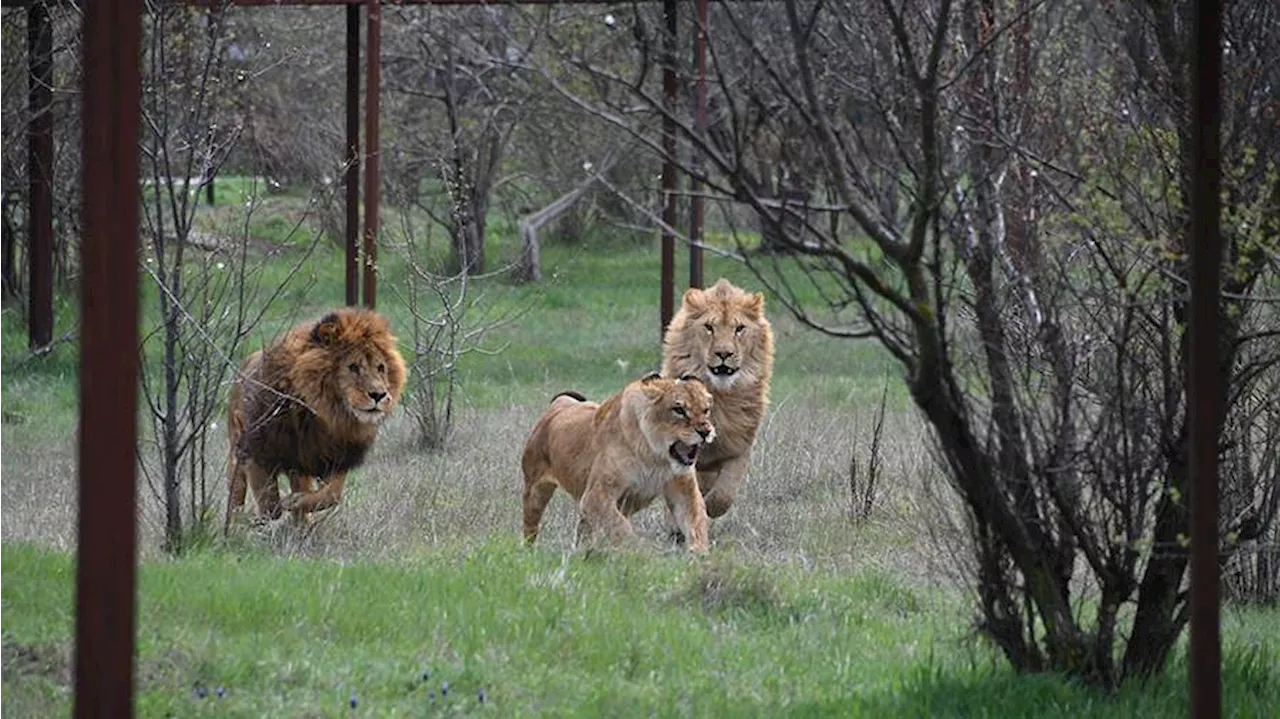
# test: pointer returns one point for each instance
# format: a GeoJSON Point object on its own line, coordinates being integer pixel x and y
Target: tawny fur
{"type": "Point", "coordinates": [309, 406]}
{"type": "Point", "coordinates": [615, 458]}
{"type": "Point", "coordinates": [719, 329]}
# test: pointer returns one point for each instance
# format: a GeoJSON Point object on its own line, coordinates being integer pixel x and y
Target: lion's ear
{"type": "Point", "coordinates": [755, 305]}
{"type": "Point", "coordinates": [326, 330]}
{"type": "Point", "coordinates": [694, 300]}
{"type": "Point", "coordinates": [691, 378]}
{"type": "Point", "coordinates": [652, 387]}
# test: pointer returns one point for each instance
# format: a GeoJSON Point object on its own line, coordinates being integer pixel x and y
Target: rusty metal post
{"type": "Point", "coordinates": [373, 74]}
{"type": "Point", "coordinates": [40, 175]}
{"type": "Point", "coordinates": [106, 561]}
{"type": "Point", "coordinates": [697, 219]}
{"type": "Point", "coordinates": [352, 178]}
{"type": "Point", "coordinates": [670, 85]}
{"type": "Point", "coordinates": [1204, 408]}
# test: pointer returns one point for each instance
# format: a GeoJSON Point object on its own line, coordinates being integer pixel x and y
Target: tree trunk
{"type": "Point", "coordinates": [468, 235]}
{"type": "Point", "coordinates": [530, 267]}
{"type": "Point", "coordinates": [10, 281]}
{"type": "Point", "coordinates": [1157, 622]}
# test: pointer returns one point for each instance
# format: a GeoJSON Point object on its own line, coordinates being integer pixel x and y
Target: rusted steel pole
{"type": "Point", "coordinates": [373, 75]}
{"type": "Point", "coordinates": [352, 176]}
{"type": "Point", "coordinates": [106, 547]}
{"type": "Point", "coordinates": [40, 176]}
{"type": "Point", "coordinates": [670, 86]}
{"type": "Point", "coordinates": [1204, 380]}
{"type": "Point", "coordinates": [697, 219]}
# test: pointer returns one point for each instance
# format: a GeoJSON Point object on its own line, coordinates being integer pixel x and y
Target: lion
{"type": "Point", "coordinates": [721, 336]}
{"type": "Point", "coordinates": [309, 406]}
{"type": "Point", "coordinates": [614, 458]}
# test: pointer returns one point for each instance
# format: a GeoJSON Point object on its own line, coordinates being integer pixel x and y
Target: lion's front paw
{"type": "Point", "coordinates": [292, 501]}
{"type": "Point", "coordinates": [717, 503]}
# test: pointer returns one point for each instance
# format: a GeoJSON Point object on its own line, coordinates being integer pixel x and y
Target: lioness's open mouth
{"type": "Point", "coordinates": [685, 454]}
{"type": "Point", "coordinates": [723, 370]}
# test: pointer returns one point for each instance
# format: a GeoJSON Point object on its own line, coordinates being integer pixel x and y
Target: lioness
{"type": "Point", "coordinates": [617, 457]}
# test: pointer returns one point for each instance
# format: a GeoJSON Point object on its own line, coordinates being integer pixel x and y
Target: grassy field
{"type": "Point", "coordinates": [799, 610]}
{"type": "Point", "coordinates": [543, 633]}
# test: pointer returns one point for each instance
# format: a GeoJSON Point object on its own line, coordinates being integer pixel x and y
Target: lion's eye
{"type": "Point", "coordinates": [739, 329]}
{"type": "Point", "coordinates": [355, 368]}
{"type": "Point", "coordinates": [711, 329]}
{"type": "Point", "coordinates": [680, 412]}
{"type": "Point", "coordinates": [382, 369]}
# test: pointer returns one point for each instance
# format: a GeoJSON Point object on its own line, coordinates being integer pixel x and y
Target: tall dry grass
{"type": "Point", "coordinates": [796, 505]}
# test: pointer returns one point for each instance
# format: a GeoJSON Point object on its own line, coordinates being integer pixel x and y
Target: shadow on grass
{"type": "Point", "coordinates": [1250, 688]}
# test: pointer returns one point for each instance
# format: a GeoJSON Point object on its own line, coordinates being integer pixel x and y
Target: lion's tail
{"type": "Point", "coordinates": [571, 394]}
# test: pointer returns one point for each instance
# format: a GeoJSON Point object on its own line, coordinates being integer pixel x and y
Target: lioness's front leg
{"type": "Point", "coordinates": [684, 501]}
{"type": "Point", "coordinates": [329, 495]}
{"type": "Point", "coordinates": [599, 508]}
{"type": "Point", "coordinates": [720, 486]}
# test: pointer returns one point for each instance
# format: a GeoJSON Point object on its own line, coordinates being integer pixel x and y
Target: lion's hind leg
{"type": "Point", "coordinates": [266, 493]}
{"type": "Point", "coordinates": [237, 482]}
{"type": "Point", "coordinates": [537, 494]}
{"type": "Point", "coordinates": [237, 487]}
{"type": "Point", "coordinates": [539, 483]}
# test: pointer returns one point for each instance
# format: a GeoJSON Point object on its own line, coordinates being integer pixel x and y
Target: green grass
{"type": "Point", "coordinates": [545, 634]}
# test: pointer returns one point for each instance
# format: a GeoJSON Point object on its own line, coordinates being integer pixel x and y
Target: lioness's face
{"type": "Point", "coordinates": [679, 418]}
{"type": "Point", "coordinates": [364, 382]}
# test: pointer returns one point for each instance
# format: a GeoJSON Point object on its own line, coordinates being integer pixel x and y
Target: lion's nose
{"type": "Point", "coordinates": [724, 355]}
{"type": "Point", "coordinates": [704, 431]}
{"type": "Point", "coordinates": [377, 396]}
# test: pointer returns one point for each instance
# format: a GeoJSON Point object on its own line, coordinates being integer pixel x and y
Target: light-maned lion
{"type": "Point", "coordinates": [721, 336]}
{"type": "Point", "coordinates": [615, 458]}
{"type": "Point", "coordinates": [308, 406]}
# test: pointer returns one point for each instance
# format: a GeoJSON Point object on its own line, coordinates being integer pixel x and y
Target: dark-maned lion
{"type": "Point", "coordinates": [615, 458]}
{"type": "Point", "coordinates": [308, 406]}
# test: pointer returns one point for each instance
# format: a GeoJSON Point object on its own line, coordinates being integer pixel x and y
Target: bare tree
{"type": "Point", "coordinates": [209, 291]}
{"type": "Point", "coordinates": [65, 119]}
{"type": "Point", "coordinates": [455, 104]}
{"type": "Point", "coordinates": [450, 318]}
